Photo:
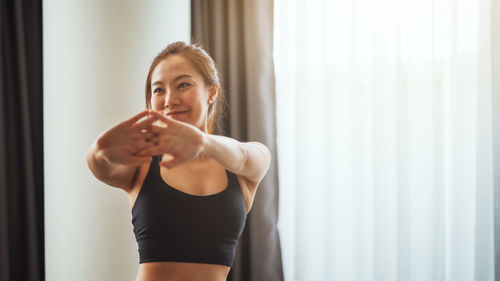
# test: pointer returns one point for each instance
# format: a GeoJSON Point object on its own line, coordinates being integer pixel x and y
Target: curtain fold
{"type": "Point", "coordinates": [21, 142]}
{"type": "Point", "coordinates": [388, 122]}
{"type": "Point", "coordinates": [239, 36]}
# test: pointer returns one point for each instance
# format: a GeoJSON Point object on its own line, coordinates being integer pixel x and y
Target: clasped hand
{"type": "Point", "coordinates": [135, 141]}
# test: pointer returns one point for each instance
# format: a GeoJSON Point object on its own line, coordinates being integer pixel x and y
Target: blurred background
{"type": "Point", "coordinates": [382, 117]}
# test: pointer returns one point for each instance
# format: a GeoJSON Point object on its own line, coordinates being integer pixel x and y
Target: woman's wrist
{"type": "Point", "coordinates": [225, 150]}
{"type": "Point", "coordinates": [206, 143]}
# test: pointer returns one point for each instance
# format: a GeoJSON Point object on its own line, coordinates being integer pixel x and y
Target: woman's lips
{"type": "Point", "coordinates": [176, 113]}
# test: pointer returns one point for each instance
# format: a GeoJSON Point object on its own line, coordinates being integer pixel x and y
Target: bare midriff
{"type": "Point", "coordinates": [181, 271]}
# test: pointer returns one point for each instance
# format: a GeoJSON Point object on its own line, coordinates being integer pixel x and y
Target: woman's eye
{"type": "Point", "coordinates": [158, 90]}
{"type": "Point", "coordinates": [182, 85]}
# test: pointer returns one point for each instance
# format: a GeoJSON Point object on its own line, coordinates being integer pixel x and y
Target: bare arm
{"type": "Point", "coordinates": [116, 175]}
{"type": "Point", "coordinates": [248, 159]}
{"type": "Point", "coordinates": [185, 142]}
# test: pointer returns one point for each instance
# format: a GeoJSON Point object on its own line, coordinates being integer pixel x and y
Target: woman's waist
{"type": "Point", "coordinates": [179, 271]}
{"type": "Point", "coordinates": [205, 251]}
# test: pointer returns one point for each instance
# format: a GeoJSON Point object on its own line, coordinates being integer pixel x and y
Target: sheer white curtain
{"type": "Point", "coordinates": [385, 139]}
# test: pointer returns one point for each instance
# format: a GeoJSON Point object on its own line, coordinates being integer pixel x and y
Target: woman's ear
{"type": "Point", "coordinates": [212, 94]}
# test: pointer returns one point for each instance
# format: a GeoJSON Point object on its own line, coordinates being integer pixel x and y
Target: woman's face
{"type": "Point", "coordinates": [179, 91]}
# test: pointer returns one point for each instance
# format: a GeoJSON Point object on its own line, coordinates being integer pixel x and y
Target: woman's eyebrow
{"type": "Point", "coordinates": [183, 76]}
{"type": "Point", "coordinates": [175, 79]}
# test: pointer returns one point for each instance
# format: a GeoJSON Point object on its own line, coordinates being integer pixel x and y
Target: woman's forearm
{"type": "Point", "coordinates": [248, 159]}
{"type": "Point", "coordinates": [111, 174]}
{"type": "Point", "coordinates": [101, 168]}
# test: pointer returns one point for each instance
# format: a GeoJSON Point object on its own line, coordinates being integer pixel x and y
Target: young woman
{"type": "Point", "coordinates": [189, 190]}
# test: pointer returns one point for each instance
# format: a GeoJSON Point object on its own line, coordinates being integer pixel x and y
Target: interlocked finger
{"type": "Point", "coordinates": [148, 135]}
{"type": "Point", "coordinates": [145, 124]}
{"type": "Point", "coordinates": [156, 147]}
{"type": "Point", "coordinates": [154, 139]}
{"type": "Point", "coordinates": [142, 144]}
{"type": "Point", "coordinates": [139, 116]}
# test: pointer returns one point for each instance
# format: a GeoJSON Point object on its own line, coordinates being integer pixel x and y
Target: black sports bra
{"type": "Point", "coordinates": [171, 225]}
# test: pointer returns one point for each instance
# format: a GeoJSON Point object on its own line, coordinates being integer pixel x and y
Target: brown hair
{"type": "Point", "coordinates": [205, 65]}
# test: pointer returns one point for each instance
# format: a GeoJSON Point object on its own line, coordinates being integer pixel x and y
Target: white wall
{"type": "Point", "coordinates": [96, 57]}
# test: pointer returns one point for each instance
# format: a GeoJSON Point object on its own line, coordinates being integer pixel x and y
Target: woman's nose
{"type": "Point", "coordinates": [171, 100]}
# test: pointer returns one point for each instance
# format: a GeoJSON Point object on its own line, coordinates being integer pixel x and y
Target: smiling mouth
{"type": "Point", "coordinates": [176, 113]}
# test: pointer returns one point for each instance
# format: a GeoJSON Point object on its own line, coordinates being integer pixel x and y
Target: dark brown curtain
{"type": "Point", "coordinates": [21, 141]}
{"type": "Point", "coordinates": [239, 36]}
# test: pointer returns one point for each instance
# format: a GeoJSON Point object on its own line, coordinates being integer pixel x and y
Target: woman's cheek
{"type": "Point", "coordinates": [156, 103]}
